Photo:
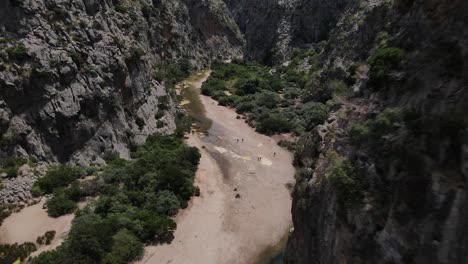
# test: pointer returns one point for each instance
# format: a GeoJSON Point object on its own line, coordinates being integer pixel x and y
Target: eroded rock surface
{"type": "Point", "coordinates": [77, 77]}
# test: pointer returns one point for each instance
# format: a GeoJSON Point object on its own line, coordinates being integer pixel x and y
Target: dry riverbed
{"type": "Point", "coordinates": [32, 222]}
{"type": "Point", "coordinates": [242, 214]}
{"type": "Point", "coordinates": [245, 206]}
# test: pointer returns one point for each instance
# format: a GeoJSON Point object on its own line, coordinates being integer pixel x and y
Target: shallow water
{"type": "Point", "coordinates": [193, 104]}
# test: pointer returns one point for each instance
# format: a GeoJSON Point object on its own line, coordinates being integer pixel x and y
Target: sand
{"type": "Point", "coordinates": [244, 206]}
{"type": "Point", "coordinates": [32, 222]}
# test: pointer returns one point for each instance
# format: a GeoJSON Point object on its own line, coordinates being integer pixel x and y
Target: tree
{"type": "Point", "coordinates": [268, 99]}
{"type": "Point", "coordinates": [60, 205]}
{"type": "Point", "coordinates": [274, 123]}
{"type": "Point", "coordinates": [383, 62]}
{"type": "Point", "coordinates": [250, 86]}
{"type": "Point", "coordinates": [314, 114]}
{"type": "Point", "coordinates": [125, 248]}
{"type": "Point", "coordinates": [58, 177]}
{"type": "Point", "coordinates": [167, 203]}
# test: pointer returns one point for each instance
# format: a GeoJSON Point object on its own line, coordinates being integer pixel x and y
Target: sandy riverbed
{"type": "Point", "coordinates": [244, 207]}
{"type": "Point", "coordinates": [32, 222]}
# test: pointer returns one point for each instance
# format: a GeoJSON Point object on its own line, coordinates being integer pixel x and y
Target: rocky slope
{"type": "Point", "coordinates": [384, 179]}
{"type": "Point", "coordinates": [77, 78]}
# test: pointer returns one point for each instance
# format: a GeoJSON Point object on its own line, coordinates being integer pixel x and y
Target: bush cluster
{"type": "Point", "coordinates": [136, 202]}
{"type": "Point", "coordinates": [172, 73]}
{"type": "Point", "coordinates": [374, 130]}
{"type": "Point", "coordinates": [46, 239]}
{"type": "Point", "coordinates": [345, 179]}
{"type": "Point", "coordinates": [268, 99]}
{"type": "Point", "coordinates": [59, 176]}
{"type": "Point", "coordinates": [17, 251]}
{"type": "Point", "coordinates": [383, 62]}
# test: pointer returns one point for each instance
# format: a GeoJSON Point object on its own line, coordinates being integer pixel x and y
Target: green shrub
{"type": "Point", "coordinates": [38, 72]}
{"type": "Point", "coordinates": [267, 99]}
{"type": "Point", "coordinates": [5, 211]}
{"type": "Point", "coordinates": [19, 52]}
{"type": "Point", "coordinates": [183, 125]}
{"type": "Point", "coordinates": [359, 133]}
{"type": "Point", "coordinates": [374, 130]}
{"type": "Point", "coordinates": [336, 87]}
{"type": "Point", "coordinates": [249, 86]}
{"type": "Point", "coordinates": [15, 251]}
{"type": "Point", "coordinates": [110, 155]}
{"type": "Point", "coordinates": [49, 236]}
{"type": "Point", "coordinates": [89, 171]}
{"type": "Point", "coordinates": [36, 191]}
{"type": "Point", "coordinates": [166, 202]}
{"type": "Point", "coordinates": [313, 114]}
{"type": "Point", "coordinates": [125, 248]}
{"type": "Point", "coordinates": [385, 60]}
{"type": "Point", "coordinates": [136, 53]}
{"type": "Point", "coordinates": [245, 106]}
{"type": "Point", "coordinates": [60, 205]}
{"type": "Point", "coordinates": [172, 73]}
{"type": "Point", "coordinates": [59, 176]}
{"type": "Point", "coordinates": [344, 178]}
{"type": "Point", "coordinates": [121, 8]}
{"type": "Point", "coordinates": [272, 124]}
{"type": "Point", "coordinates": [46, 238]}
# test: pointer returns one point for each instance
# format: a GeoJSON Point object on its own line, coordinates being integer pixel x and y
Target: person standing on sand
{"type": "Point", "coordinates": [237, 140]}
{"type": "Point", "coordinates": [274, 154]}
{"type": "Point", "coordinates": [242, 140]}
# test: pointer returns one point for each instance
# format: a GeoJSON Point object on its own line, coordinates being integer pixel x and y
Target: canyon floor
{"type": "Point", "coordinates": [245, 205]}
{"type": "Point", "coordinates": [242, 213]}
{"type": "Point", "coordinates": [32, 222]}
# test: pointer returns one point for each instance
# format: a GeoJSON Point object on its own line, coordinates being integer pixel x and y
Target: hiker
{"type": "Point", "coordinates": [274, 154]}
{"type": "Point", "coordinates": [242, 140]}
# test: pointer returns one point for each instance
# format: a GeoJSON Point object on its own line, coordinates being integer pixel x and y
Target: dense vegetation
{"type": "Point", "coordinates": [383, 62]}
{"type": "Point", "coordinates": [17, 251]}
{"type": "Point", "coordinates": [136, 201]}
{"type": "Point", "coordinates": [346, 182]}
{"type": "Point", "coordinates": [172, 73]}
{"type": "Point", "coordinates": [271, 99]}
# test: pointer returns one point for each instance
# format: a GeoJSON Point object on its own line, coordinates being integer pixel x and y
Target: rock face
{"type": "Point", "coordinates": [413, 203]}
{"type": "Point", "coordinates": [273, 27]}
{"type": "Point", "coordinates": [17, 191]}
{"type": "Point", "coordinates": [76, 76]}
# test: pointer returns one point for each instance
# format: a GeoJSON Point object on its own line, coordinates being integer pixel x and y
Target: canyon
{"type": "Point", "coordinates": [381, 179]}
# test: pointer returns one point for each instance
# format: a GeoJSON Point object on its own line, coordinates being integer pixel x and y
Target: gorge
{"type": "Point", "coordinates": [369, 97]}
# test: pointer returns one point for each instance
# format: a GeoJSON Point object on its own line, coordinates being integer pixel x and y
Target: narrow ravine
{"type": "Point", "coordinates": [245, 204]}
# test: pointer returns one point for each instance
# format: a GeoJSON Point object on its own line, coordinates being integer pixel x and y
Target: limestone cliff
{"type": "Point", "coordinates": [384, 179]}
{"type": "Point", "coordinates": [77, 77]}
{"type": "Point", "coordinates": [273, 27]}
